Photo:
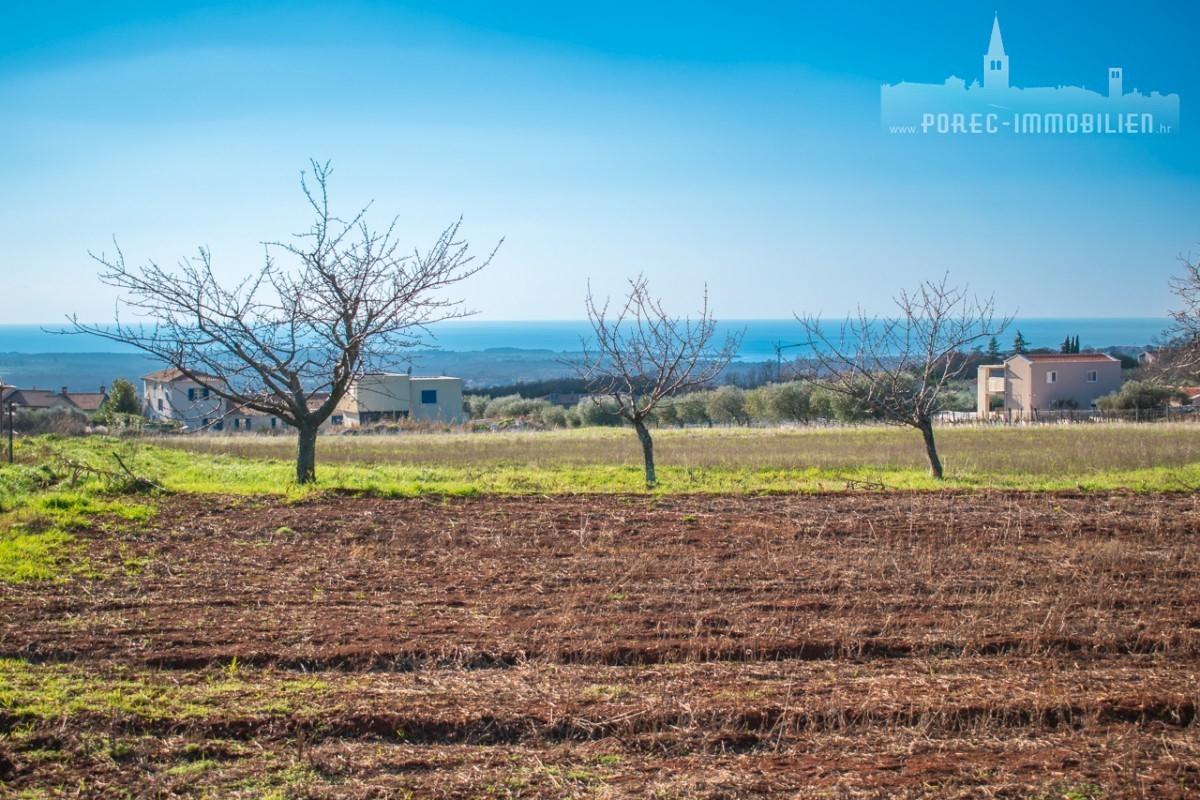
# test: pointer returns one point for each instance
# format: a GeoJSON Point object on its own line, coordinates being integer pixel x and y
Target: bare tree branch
{"type": "Point", "coordinates": [642, 355]}
{"type": "Point", "coordinates": [280, 336]}
{"type": "Point", "coordinates": [896, 368]}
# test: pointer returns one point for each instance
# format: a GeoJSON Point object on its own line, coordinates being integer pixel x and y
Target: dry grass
{"type": "Point", "coordinates": [1012, 451]}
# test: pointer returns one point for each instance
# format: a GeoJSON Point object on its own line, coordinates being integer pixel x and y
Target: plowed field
{"type": "Point", "coordinates": [843, 645]}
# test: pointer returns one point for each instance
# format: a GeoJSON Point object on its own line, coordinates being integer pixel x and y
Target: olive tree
{"type": "Point", "coordinates": [289, 340]}
{"type": "Point", "coordinates": [641, 355]}
{"type": "Point", "coordinates": [896, 369]}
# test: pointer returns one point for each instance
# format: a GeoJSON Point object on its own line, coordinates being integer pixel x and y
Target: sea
{"type": "Point", "coordinates": [760, 341]}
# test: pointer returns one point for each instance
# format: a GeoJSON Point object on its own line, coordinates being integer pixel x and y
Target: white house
{"type": "Point", "coordinates": [384, 396]}
{"type": "Point", "coordinates": [171, 396]}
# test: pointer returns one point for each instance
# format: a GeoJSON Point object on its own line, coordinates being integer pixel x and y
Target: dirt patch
{"type": "Point", "coordinates": [826, 645]}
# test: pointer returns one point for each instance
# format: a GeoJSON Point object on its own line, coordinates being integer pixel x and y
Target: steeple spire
{"type": "Point", "coordinates": [995, 62]}
{"type": "Point", "coordinates": [996, 45]}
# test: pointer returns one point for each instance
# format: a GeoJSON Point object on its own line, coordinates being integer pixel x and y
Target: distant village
{"type": "Point", "coordinates": [1023, 386]}
{"type": "Point", "coordinates": [194, 404]}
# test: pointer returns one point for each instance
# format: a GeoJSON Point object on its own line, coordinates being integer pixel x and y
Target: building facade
{"type": "Point", "coordinates": [1027, 385]}
{"type": "Point", "coordinates": [384, 397]}
{"type": "Point", "coordinates": [171, 396]}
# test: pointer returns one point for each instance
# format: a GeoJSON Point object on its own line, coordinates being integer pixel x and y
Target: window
{"type": "Point", "coordinates": [1093, 376]}
{"type": "Point", "coordinates": [237, 423]}
{"type": "Point", "coordinates": [1051, 377]}
{"type": "Point", "coordinates": [247, 424]}
{"type": "Point", "coordinates": [160, 404]}
{"type": "Point", "coordinates": [204, 392]}
{"type": "Point", "coordinates": [204, 422]}
{"type": "Point", "coordinates": [336, 419]}
{"type": "Point", "coordinates": [273, 421]}
{"type": "Point", "coordinates": [191, 394]}
{"type": "Point", "coordinates": [429, 397]}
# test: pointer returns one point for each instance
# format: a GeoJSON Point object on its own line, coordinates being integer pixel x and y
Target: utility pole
{"type": "Point", "coordinates": [11, 424]}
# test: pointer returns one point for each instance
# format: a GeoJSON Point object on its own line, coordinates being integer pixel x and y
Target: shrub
{"type": "Point", "coordinates": [61, 419]}
{"type": "Point", "coordinates": [727, 405]}
{"type": "Point", "coordinates": [1140, 395]}
{"type": "Point", "coordinates": [589, 413]}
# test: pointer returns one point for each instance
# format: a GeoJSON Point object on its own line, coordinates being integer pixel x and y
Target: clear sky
{"type": "Point", "coordinates": [736, 144]}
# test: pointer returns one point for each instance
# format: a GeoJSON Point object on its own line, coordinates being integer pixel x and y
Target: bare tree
{"type": "Point", "coordinates": [1179, 358]}
{"type": "Point", "coordinates": [290, 341]}
{"type": "Point", "coordinates": [896, 368]}
{"type": "Point", "coordinates": [642, 355]}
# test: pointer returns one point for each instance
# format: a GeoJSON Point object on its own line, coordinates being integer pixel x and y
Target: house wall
{"type": "Point", "coordinates": [168, 400]}
{"type": "Point", "coordinates": [987, 385]}
{"type": "Point", "coordinates": [1029, 391]}
{"type": "Point", "coordinates": [447, 405]}
{"type": "Point", "coordinates": [384, 397]}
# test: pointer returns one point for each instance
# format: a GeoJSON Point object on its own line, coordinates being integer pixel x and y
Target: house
{"type": "Point", "coordinates": [170, 396]}
{"type": "Point", "coordinates": [384, 396]}
{"type": "Point", "coordinates": [238, 418]}
{"type": "Point", "coordinates": [1029, 384]}
{"type": "Point", "coordinates": [87, 402]}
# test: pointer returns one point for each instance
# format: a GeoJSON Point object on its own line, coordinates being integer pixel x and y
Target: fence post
{"type": "Point", "coordinates": [12, 423]}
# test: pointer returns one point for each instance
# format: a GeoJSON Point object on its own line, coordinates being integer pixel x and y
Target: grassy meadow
{"type": "Point", "coordinates": [1138, 457]}
{"type": "Point", "coordinates": [1146, 457]}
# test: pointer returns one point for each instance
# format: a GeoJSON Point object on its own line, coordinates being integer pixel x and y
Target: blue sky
{"type": "Point", "coordinates": [737, 145]}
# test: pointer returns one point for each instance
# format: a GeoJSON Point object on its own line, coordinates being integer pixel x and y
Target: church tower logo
{"type": "Point", "coordinates": [997, 107]}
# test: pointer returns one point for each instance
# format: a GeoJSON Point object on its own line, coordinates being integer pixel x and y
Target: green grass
{"type": "Point", "coordinates": [32, 693]}
{"type": "Point", "coordinates": [1136, 457]}
{"type": "Point", "coordinates": [33, 556]}
{"type": "Point", "coordinates": [39, 509]}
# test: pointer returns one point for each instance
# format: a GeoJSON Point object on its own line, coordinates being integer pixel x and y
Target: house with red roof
{"type": "Point", "coordinates": [87, 402]}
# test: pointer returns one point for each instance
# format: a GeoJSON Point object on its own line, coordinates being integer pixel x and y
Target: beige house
{"type": "Point", "coordinates": [171, 396]}
{"type": "Point", "coordinates": [1027, 385]}
{"type": "Point", "coordinates": [385, 396]}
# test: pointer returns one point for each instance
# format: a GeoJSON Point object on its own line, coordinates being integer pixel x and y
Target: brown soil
{"type": "Point", "coordinates": [847, 645]}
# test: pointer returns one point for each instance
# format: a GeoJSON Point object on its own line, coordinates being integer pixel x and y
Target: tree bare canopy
{"type": "Point", "coordinates": [1181, 359]}
{"type": "Point", "coordinates": [289, 340]}
{"type": "Point", "coordinates": [896, 368]}
{"type": "Point", "coordinates": [642, 355]}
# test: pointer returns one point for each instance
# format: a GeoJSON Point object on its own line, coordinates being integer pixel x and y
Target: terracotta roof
{"type": "Point", "coordinates": [173, 374]}
{"type": "Point", "coordinates": [1067, 357]}
{"type": "Point", "coordinates": [87, 401]}
{"type": "Point", "coordinates": [44, 398]}
{"type": "Point", "coordinates": [32, 398]}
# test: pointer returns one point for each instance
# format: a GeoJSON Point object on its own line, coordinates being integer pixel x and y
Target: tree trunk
{"type": "Point", "coordinates": [647, 451]}
{"type": "Point", "coordinates": [306, 454]}
{"type": "Point", "coordinates": [925, 426]}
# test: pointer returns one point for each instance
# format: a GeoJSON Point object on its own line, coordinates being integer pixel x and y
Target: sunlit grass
{"type": "Point", "coordinates": [740, 460]}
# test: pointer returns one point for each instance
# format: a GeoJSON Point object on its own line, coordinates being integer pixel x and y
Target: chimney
{"type": "Point", "coordinates": [64, 391]}
{"type": "Point", "coordinates": [102, 391]}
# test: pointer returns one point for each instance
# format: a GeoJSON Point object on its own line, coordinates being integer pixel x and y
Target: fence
{"type": "Point", "coordinates": [1070, 416]}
